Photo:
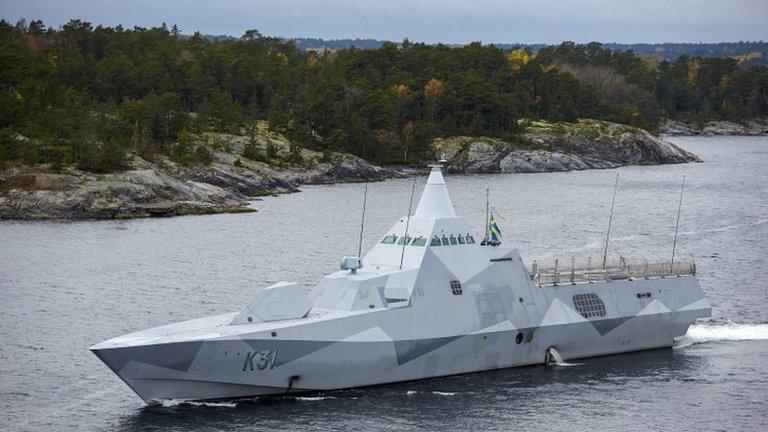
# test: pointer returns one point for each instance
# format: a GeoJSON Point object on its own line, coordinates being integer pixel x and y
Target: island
{"type": "Point", "coordinates": [100, 122]}
{"type": "Point", "coordinates": [166, 188]}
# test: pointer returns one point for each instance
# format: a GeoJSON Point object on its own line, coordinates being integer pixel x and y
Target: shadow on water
{"type": "Point", "coordinates": [448, 401]}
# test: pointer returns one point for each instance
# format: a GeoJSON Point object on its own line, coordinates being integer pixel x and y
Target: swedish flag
{"type": "Point", "coordinates": [493, 228]}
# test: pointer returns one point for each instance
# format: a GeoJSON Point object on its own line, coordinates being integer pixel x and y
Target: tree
{"type": "Point", "coordinates": [203, 155]}
{"type": "Point", "coordinates": [408, 130]}
{"type": "Point", "coordinates": [517, 59]}
{"type": "Point", "coordinates": [434, 91]}
{"type": "Point", "coordinates": [81, 93]}
{"type": "Point", "coordinates": [252, 151]}
{"type": "Point", "coordinates": [294, 155]}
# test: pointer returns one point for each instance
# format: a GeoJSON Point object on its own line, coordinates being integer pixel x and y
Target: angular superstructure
{"type": "Point", "coordinates": [430, 302]}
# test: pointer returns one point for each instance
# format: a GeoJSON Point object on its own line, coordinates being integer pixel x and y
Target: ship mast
{"type": "Point", "coordinates": [487, 214]}
{"type": "Point", "coordinates": [677, 224]}
{"type": "Point", "coordinates": [362, 223]}
{"type": "Point", "coordinates": [610, 221]}
{"type": "Point", "coordinates": [407, 223]}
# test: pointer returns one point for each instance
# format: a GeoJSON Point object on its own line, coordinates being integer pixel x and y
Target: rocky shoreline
{"type": "Point", "coordinates": [550, 147]}
{"type": "Point", "coordinates": [749, 128]}
{"type": "Point", "coordinates": [164, 188]}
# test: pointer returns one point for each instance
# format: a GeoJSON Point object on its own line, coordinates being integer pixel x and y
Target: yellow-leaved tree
{"type": "Point", "coordinates": [517, 59]}
{"type": "Point", "coordinates": [433, 92]}
{"type": "Point", "coordinates": [693, 72]}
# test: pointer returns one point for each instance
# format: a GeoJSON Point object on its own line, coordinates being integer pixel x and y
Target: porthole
{"type": "Point", "coordinates": [519, 338]}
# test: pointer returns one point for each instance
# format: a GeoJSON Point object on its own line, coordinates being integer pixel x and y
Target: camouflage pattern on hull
{"type": "Point", "coordinates": [453, 307]}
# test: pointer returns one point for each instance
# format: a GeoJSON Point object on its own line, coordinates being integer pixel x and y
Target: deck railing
{"type": "Point", "coordinates": [573, 271]}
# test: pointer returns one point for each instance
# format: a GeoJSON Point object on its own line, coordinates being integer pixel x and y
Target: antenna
{"type": "Point", "coordinates": [362, 223]}
{"type": "Point", "coordinates": [407, 223]}
{"type": "Point", "coordinates": [677, 224]}
{"type": "Point", "coordinates": [487, 213]}
{"type": "Point", "coordinates": [610, 221]}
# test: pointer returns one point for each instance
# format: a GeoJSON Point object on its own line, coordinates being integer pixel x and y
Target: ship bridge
{"type": "Point", "coordinates": [433, 239]}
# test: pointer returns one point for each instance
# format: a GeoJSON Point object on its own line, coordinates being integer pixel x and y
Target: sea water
{"type": "Point", "coordinates": [67, 285]}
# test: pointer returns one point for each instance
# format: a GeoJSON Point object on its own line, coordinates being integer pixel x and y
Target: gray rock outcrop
{"type": "Point", "coordinates": [164, 188]}
{"type": "Point", "coordinates": [547, 147]}
{"type": "Point", "coordinates": [748, 128]}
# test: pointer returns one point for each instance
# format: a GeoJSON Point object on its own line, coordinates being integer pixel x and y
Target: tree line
{"type": "Point", "coordinates": [90, 95]}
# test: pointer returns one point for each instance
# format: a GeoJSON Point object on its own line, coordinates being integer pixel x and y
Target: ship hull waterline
{"type": "Point", "coordinates": [242, 367]}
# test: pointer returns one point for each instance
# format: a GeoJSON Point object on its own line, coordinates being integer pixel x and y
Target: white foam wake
{"type": "Point", "coordinates": [171, 403]}
{"type": "Point", "coordinates": [313, 398]}
{"type": "Point", "coordinates": [567, 364]}
{"type": "Point", "coordinates": [558, 359]}
{"type": "Point", "coordinates": [700, 333]}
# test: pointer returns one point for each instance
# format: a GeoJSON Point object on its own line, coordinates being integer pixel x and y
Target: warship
{"type": "Point", "coordinates": [428, 300]}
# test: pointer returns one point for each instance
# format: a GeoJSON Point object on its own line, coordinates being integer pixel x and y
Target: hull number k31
{"type": "Point", "coordinates": [261, 359]}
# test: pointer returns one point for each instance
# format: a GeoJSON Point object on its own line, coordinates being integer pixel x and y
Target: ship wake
{"type": "Point", "coordinates": [701, 333]}
{"type": "Point", "coordinates": [173, 403]}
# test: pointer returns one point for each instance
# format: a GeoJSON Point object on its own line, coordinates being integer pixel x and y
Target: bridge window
{"type": "Point", "coordinates": [589, 305]}
{"type": "Point", "coordinates": [456, 287]}
{"type": "Point", "coordinates": [453, 240]}
{"type": "Point", "coordinates": [445, 240]}
{"type": "Point", "coordinates": [435, 241]}
{"type": "Point", "coordinates": [404, 240]}
{"type": "Point", "coordinates": [470, 239]}
{"type": "Point", "coordinates": [461, 240]}
{"type": "Point", "coordinates": [390, 239]}
{"type": "Point", "coordinates": [419, 241]}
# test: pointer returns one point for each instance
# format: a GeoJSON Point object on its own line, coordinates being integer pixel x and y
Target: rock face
{"type": "Point", "coordinates": [548, 147]}
{"type": "Point", "coordinates": [749, 128]}
{"type": "Point", "coordinates": [348, 168]}
{"type": "Point", "coordinates": [163, 188]}
{"type": "Point", "coordinates": [135, 193]}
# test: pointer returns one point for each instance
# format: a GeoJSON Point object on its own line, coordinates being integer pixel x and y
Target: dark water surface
{"type": "Point", "coordinates": [67, 285]}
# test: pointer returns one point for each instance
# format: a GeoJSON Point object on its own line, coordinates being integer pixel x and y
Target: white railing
{"type": "Point", "coordinates": [583, 270]}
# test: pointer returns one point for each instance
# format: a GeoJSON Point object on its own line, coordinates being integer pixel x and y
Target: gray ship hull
{"type": "Point", "coordinates": [371, 348]}
{"type": "Point", "coordinates": [428, 302]}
